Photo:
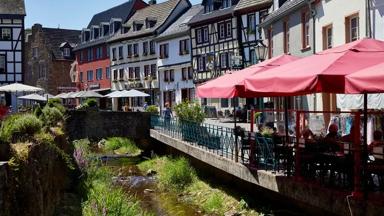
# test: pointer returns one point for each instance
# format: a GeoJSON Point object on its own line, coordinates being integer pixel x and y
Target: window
{"type": "Point", "coordinates": [352, 28]}
{"type": "Point", "coordinates": [35, 52]}
{"type": "Point", "coordinates": [153, 71]}
{"type": "Point", "coordinates": [171, 75]}
{"type": "Point", "coordinates": [221, 30]}
{"type": "Point", "coordinates": [146, 71]}
{"type": "Point", "coordinates": [152, 49]}
{"type": "Point", "coordinates": [81, 77]}
{"type": "Point", "coordinates": [121, 74]}
{"type": "Point", "coordinates": [136, 50]}
{"type": "Point", "coordinates": [81, 56]}
{"type": "Point", "coordinates": [99, 74]}
{"type": "Point", "coordinates": [90, 75]}
{"type": "Point", "coordinates": [286, 36]}
{"type": "Point", "coordinates": [224, 60]}
{"type": "Point", "coordinates": [228, 29]}
{"type": "Point", "coordinates": [99, 52]}
{"type": "Point", "coordinates": [270, 42]}
{"type": "Point", "coordinates": [184, 74]}
{"type": "Point", "coordinates": [184, 47]}
{"type": "Point", "coordinates": [137, 73]}
{"type": "Point", "coordinates": [227, 3]}
{"type": "Point", "coordinates": [2, 64]}
{"type": "Point", "coordinates": [164, 51]}
{"type": "Point", "coordinates": [199, 36]}
{"type": "Point", "coordinates": [131, 73]}
{"type": "Point", "coordinates": [115, 75]}
{"type": "Point", "coordinates": [113, 54]}
{"type": "Point", "coordinates": [305, 29]}
{"type": "Point", "coordinates": [166, 79]}
{"type": "Point", "coordinates": [190, 73]}
{"type": "Point", "coordinates": [120, 52]}
{"type": "Point", "coordinates": [251, 24]}
{"type": "Point", "coordinates": [145, 48]}
{"type": "Point", "coordinates": [201, 63]}
{"type": "Point", "coordinates": [90, 54]}
{"type": "Point", "coordinates": [6, 34]}
{"type": "Point", "coordinates": [208, 6]}
{"type": "Point", "coordinates": [252, 57]}
{"type": "Point", "coordinates": [67, 52]}
{"type": "Point", "coordinates": [107, 73]}
{"type": "Point", "coordinates": [327, 37]}
{"type": "Point", "coordinates": [206, 34]}
{"type": "Point", "coordinates": [42, 71]}
{"type": "Point", "coordinates": [129, 50]}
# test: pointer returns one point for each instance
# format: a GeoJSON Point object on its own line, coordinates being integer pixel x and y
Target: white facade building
{"type": "Point", "coordinates": [133, 52]}
{"type": "Point", "coordinates": [174, 64]}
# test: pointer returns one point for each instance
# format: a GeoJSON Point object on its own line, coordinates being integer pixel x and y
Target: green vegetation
{"type": "Point", "coordinates": [56, 102]}
{"type": "Point", "coordinates": [90, 102]}
{"type": "Point", "coordinates": [213, 201]}
{"type": "Point", "coordinates": [152, 109]}
{"type": "Point", "coordinates": [19, 127]}
{"type": "Point", "coordinates": [188, 111]}
{"type": "Point", "coordinates": [51, 116]}
{"type": "Point", "coordinates": [121, 145]}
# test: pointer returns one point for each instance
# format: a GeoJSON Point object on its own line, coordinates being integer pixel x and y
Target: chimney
{"type": "Point", "coordinates": [152, 2]}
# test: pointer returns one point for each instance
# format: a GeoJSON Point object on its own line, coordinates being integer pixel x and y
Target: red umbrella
{"type": "Point", "coordinates": [322, 72]}
{"type": "Point", "coordinates": [368, 80]}
{"type": "Point", "coordinates": [232, 85]}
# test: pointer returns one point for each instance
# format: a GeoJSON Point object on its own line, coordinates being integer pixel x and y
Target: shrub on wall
{"type": "Point", "coordinates": [18, 127]}
{"type": "Point", "coordinates": [51, 116]}
{"type": "Point", "coordinates": [56, 102]}
{"type": "Point", "coordinates": [189, 111]}
{"type": "Point", "coordinates": [152, 109]}
{"type": "Point", "coordinates": [91, 102]}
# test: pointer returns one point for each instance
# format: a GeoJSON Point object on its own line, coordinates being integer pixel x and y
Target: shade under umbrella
{"type": "Point", "coordinates": [89, 94]}
{"type": "Point", "coordinates": [34, 97]}
{"type": "Point", "coordinates": [132, 93]}
{"type": "Point", "coordinates": [18, 87]}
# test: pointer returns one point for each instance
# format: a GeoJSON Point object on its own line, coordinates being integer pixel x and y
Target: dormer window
{"type": "Point", "coordinates": [95, 32]}
{"type": "Point", "coordinates": [126, 29]}
{"type": "Point", "coordinates": [137, 26]}
{"type": "Point", "coordinates": [150, 22]}
{"type": "Point", "coordinates": [86, 34]}
{"type": "Point", "coordinates": [208, 7]}
{"type": "Point", "coordinates": [104, 29]}
{"type": "Point", "coordinates": [114, 25]}
{"type": "Point", "coordinates": [227, 3]}
{"type": "Point", "coordinates": [66, 52]}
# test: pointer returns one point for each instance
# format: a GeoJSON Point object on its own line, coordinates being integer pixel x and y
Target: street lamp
{"type": "Point", "coordinates": [261, 50]}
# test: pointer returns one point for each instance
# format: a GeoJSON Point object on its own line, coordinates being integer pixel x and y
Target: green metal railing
{"type": "Point", "coordinates": [213, 138]}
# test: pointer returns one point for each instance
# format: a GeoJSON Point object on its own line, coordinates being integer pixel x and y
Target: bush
{"type": "Point", "coordinates": [19, 127]}
{"type": "Point", "coordinates": [56, 102]}
{"type": "Point", "coordinates": [177, 174]}
{"type": "Point", "coordinates": [187, 111]}
{"type": "Point", "coordinates": [121, 145]}
{"type": "Point", "coordinates": [51, 116]}
{"type": "Point", "coordinates": [37, 112]}
{"type": "Point", "coordinates": [152, 109]}
{"type": "Point", "coordinates": [90, 102]}
{"type": "Point", "coordinates": [214, 204]}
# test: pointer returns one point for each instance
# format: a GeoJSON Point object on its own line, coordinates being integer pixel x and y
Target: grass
{"type": "Point", "coordinates": [210, 199]}
{"type": "Point", "coordinates": [19, 127]}
{"type": "Point", "coordinates": [121, 145]}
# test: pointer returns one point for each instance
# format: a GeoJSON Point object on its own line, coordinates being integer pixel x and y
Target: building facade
{"type": "Point", "coordinates": [91, 70]}
{"type": "Point", "coordinates": [49, 55]}
{"type": "Point", "coordinates": [133, 53]}
{"type": "Point", "coordinates": [12, 39]}
{"type": "Point", "coordinates": [175, 69]}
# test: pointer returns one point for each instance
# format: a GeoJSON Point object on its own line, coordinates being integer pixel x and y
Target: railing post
{"type": "Point", "coordinates": [357, 171]}
{"type": "Point", "coordinates": [252, 119]}
{"type": "Point", "coordinates": [297, 147]}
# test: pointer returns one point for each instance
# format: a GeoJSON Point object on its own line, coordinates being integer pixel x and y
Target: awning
{"type": "Point", "coordinates": [88, 94]}
{"type": "Point", "coordinates": [131, 93]}
{"type": "Point", "coordinates": [232, 85]}
{"type": "Point", "coordinates": [368, 80]}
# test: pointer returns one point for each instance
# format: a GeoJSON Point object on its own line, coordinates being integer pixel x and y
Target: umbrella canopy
{"type": "Point", "coordinates": [131, 93]}
{"type": "Point", "coordinates": [232, 85]}
{"type": "Point", "coordinates": [18, 87]}
{"type": "Point", "coordinates": [48, 95]}
{"type": "Point", "coordinates": [34, 97]}
{"type": "Point", "coordinates": [113, 94]}
{"type": "Point", "coordinates": [368, 80]}
{"type": "Point", "coordinates": [60, 95]}
{"type": "Point", "coordinates": [322, 72]}
{"type": "Point", "coordinates": [88, 94]}
{"type": "Point", "coordinates": [69, 95]}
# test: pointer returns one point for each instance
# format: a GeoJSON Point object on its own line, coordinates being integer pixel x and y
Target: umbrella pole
{"type": "Point", "coordinates": [365, 144]}
{"type": "Point", "coordinates": [236, 143]}
{"type": "Point", "coordinates": [286, 126]}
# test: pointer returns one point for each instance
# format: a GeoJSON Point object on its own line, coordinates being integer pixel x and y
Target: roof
{"type": "Point", "coordinates": [286, 8]}
{"type": "Point", "coordinates": [160, 12]}
{"type": "Point", "coordinates": [120, 11]}
{"type": "Point", "coordinates": [55, 37]}
{"type": "Point", "coordinates": [245, 4]}
{"type": "Point", "coordinates": [180, 26]}
{"type": "Point", "coordinates": [12, 7]}
{"type": "Point", "coordinates": [92, 43]}
{"type": "Point", "coordinates": [205, 17]}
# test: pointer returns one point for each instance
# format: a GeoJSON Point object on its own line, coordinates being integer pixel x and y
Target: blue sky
{"type": "Point", "coordinates": [68, 14]}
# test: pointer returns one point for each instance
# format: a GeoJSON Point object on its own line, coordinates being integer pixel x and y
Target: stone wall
{"type": "Point", "coordinates": [102, 124]}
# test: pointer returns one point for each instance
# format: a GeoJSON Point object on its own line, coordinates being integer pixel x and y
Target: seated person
{"type": "Point", "coordinates": [259, 130]}
{"type": "Point", "coordinates": [350, 137]}
{"type": "Point", "coordinates": [331, 139]}
{"type": "Point", "coordinates": [377, 141]}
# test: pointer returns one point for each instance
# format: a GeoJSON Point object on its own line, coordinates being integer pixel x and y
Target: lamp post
{"type": "Point", "coordinates": [261, 50]}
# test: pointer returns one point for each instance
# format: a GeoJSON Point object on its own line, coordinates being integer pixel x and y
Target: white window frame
{"type": "Point", "coordinates": [199, 35]}
{"type": "Point", "coordinates": [228, 28]}
{"type": "Point", "coordinates": [352, 29]}
{"type": "Point", "coordinates": [222, 30]}
{"type": "Point", "coordinates": [205, 34]}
